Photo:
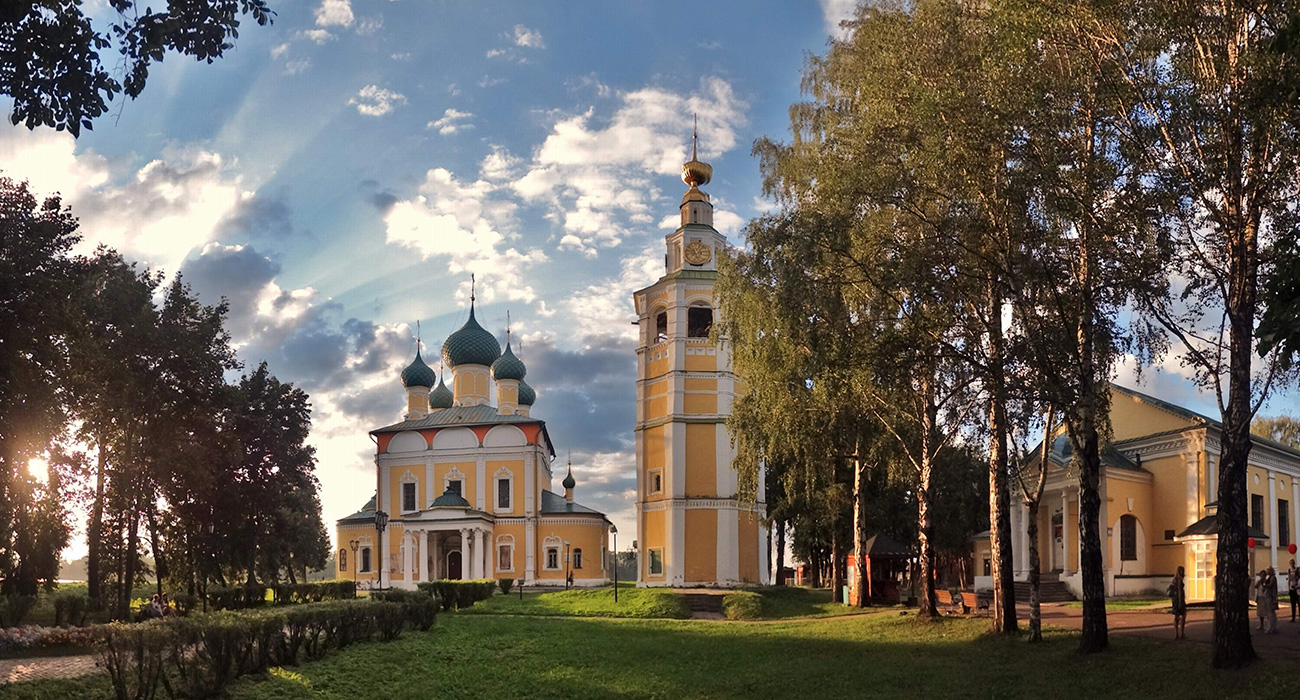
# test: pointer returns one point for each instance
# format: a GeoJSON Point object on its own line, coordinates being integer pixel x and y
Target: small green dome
{"type": "Point", "coordinates": [508, 366]}
{"type": "Point", "coordinates": [526, 394]}
{"type": "Point", "coordinates": [418, 374]}
{"type": "Point", "coordinates": [441, 397]}
{"type": "Point", "coordinates": [450, 499]}
{"type": "Point", "coordinates": [471, 345]}
{"type": "Point", "coordinates": [568, 479]}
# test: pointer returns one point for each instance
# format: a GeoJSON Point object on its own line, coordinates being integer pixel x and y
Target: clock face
{"type": "Point", "coordinates": [697, 253]}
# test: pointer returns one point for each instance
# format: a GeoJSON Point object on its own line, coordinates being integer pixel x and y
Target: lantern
{"type": "Point", "coordinates": [1250, 542]}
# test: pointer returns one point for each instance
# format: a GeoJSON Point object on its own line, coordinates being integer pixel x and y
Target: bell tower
{"type": "Point", "coordinates": [692, 527]}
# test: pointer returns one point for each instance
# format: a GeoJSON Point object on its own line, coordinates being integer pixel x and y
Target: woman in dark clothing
{"type": "Point", "coordinates": [1293, 586]}
{"type": "Point", "coordinates": [1178, 597]}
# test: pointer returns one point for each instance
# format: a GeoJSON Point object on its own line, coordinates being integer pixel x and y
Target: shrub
{"type": "Point", "coordinates": [185, 603]}
{"type": "Point", "coordinates": [315, 591]}
{"type": "Point", "coordinates": [505, 584]}
{"type": "Point", "coordinates": [199, 656]}
{"type": "Point", "coordinates": [419, 607]}
{"type": "Point", "coordinates": [70, 609]}
{"type": "Point", "coordinates": [459, 594]}
{"type": "Point", "coordinates": [13, 608]}
{"type": "Point", "coordinates": [742, 605]}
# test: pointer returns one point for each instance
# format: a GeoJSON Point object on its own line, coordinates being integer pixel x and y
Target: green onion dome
{"type": "Point", "coordinates": [508, 366]}
{"type": "Point", "coordinates": [441, 397]}
{"type": "Point", "coordinates": [418, 374]}
{"type": "Point", "coordinates": [526, 394]}
{"type": "Point", "coordinates": [471, 345]}
{"type": "Point", "coordinates": [568, 479]}
{"type": "Point", "coordinates": [450, 499]}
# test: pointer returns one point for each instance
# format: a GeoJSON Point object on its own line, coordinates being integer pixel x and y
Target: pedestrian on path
{"type": "Point", "coordinates": [1261, 598]}
{"type": "Point", "coordinates": [1178, 597]}
{"type": "Point", "coordinates": [1271, 617]}
{"type": "Point", "coordinates": [1293, 586]}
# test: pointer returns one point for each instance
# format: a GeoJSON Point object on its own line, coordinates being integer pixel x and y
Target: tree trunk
{"type": "Point", "coordinates": [927, 602]}
{"type": "Point", "coordinates": [131, 556]}
{"type": "Point", "coordinates": [1232, 644]}
{"type": "Point", "coordinates": [95, 533]}
{"type": "Point", "coordinates": [159, 561]}
{"type": "Point", "coordinates": [1095, 636]}
{"type": "Point", "coordinates": [780, 552]}
{"type": "Point", "coordinates": [859, 586]}
{"type": "Point", "coordinates": [1035, 578]}
{"type": "Point", "coordinates": [837, 582]}
{"type": "Point", "coordinates": [1004, 592]}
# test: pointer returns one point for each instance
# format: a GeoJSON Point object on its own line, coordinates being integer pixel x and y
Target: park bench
{"type": "Point", "coordinates": [948, 602]}
{"type": "Point", "coordinates": [975, 601]}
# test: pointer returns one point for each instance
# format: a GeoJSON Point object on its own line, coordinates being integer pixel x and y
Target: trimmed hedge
{"type": "Point", "coordinates": [70, 609]}
{"type": "Point", "coordinates": [459, 594]}
{"type": "Point", "coordinates": [505, 584]}
{"type": "Point", "coordinates": [199, 656]}
{"type": "Point", "coordinates": [420, 608]}
{"type": "Point", "coordinates": [245, 597]}
{"type": "Point", "coordinates": [742, 605]}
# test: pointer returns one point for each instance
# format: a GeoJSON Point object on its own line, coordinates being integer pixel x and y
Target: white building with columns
{"type": "Point", "coordinates": [1159, 481]}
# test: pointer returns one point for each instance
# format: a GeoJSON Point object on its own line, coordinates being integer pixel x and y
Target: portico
{"type": "Point", "coordinates": [450, 540]}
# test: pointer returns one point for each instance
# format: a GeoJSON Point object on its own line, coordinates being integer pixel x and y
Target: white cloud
{"type": "Point", "coordinates": [452, 120]}
{"type": "Point", "coordinates": [498, 165]}
{"type": "Point", "coordinates": [463, 223]}
{"type": "Point", "coordinates": [405, 56]}
{"type": "Point", "coordinates": [602, 309]}
{"type": "Point", "coordinates": [279, 50]}
{"type": "Point", "coordinates": [493, 53]}
{"type": "Point", "coordinates": [320, 36]}
{"type": "Point", "coordinates": [529, 38]}
{"type": "Point", "coordinates": [375, 101]}
{"type": "Point", "coordinates": [836, 11]}
{"type": "Point", "coordinates": [296, 67]}
{"type": "Point", "coordinates": [597, 176]}
{"type": "Point", "coordinates": [370, 25]}
{"type": "Point", "coordinates": [334, 13]}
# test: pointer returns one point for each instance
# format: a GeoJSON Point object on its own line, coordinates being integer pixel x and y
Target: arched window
{"type": "Point", "coordinates": [1128, 538]}
{"type": "Point", "coordinates": [661, 327]}
{"type": "Point", "coordinates": [343, 560]}
{"type": "Point", "coordinates": [577, 558]}
{"type": "Point", "coordinates": [699, 319]}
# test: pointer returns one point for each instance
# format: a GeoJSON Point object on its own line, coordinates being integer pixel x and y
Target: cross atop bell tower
{"type": "Point", "coordinates": [694, 245]}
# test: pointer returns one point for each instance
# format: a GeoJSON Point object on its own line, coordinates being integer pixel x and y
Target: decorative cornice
{"type": "Point", "coordinates": [703, 503]}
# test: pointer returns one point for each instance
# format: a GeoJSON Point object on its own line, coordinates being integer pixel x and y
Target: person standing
{"type": "Point", "coordinates": [1261, 598]}
{"type": "Point", "coordinates": [1178, 599]}
{"type": "Point", "coordinates": [1271, 586]}
{"type": "Point", "coordinates": [1293, 587]}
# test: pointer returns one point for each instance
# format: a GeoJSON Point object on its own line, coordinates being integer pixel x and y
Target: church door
{"type": "Point", "coordinates": [453, 565]}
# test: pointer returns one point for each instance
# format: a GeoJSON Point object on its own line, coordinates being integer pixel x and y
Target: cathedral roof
{"type": "Point", "coordinates": [554, 504]}
{"type": "Point", "coordinates": [441, 396]}
{"type": "Point", "coordinates": [471, 345]}
{"type": "Point", "coordinates": [366, 514]}
{"type": "Point", "coordinates": [463, 416]}
{"type": "Point", "coordinates": [418, 373]}
{"type": "Point", "coordinates": [527, 395]}
{"type": "Point", "coordinates": [508, 366]}
{"type": "Point", "coordinates": [450, 499]}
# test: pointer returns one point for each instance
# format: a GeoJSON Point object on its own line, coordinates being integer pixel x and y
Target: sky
{"type": "Point", "coordinates": [339, 175]}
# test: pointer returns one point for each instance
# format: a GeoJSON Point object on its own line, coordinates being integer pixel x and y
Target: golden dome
{"type": "Point", "coordinates": [694, 171]}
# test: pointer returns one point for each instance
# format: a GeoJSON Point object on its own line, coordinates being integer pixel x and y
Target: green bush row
{"type": "Point", "coordinates": [505, 584]}
{"type": "Point", "coordinates": [244, 597]}
{"type": "Point", "coordinates": [742, 605]}
{"type": "Point", "coordinates": [13, 608]}
{"type": "Point", "coordinates": [420, 608]}
{"type": "Point", "coordinates": [199, 656]}
{"type": "Point", "coordinates": [70, 609]}
{"type": "Point", "coordinates": [459, 594]}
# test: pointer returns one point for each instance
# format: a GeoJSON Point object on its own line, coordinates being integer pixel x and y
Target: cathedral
{"type": "Point", "coordinates": [467, 486]}
{"type": "Point", "coordinates": [693, 528]}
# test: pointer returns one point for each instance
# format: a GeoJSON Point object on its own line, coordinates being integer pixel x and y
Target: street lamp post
{"type": "Point", "coordinates": [356, 563]}
{"type": "Point", "coordinates": [613, 530]}
{"type": "Point", "coordinates": [381, 523]}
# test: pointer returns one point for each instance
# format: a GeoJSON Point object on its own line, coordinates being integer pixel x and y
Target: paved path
{"type": "Point", "coordinates": [1160, 625]}
{"type": "Point", "coordinates": [16, 670]}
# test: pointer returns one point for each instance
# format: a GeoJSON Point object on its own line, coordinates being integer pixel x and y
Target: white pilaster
{"type": "Point", "coordinates": [423, 537]}
{"type": "Point", "coordinates": [465, 561]}
{"type": "Point", "coordinates": [487, 569]}
{"type": "Point", "coordinates": [480, 476]}
{"type": "Point", "coordinates": [1212, 466]}
{"type": "Point", "coordinates": [675, 557]}
{"type": "Point", "coordinates": [764, 563]}
{"type": "Point", "coordinates": [408, 554]}
{"type": "Point", "coordinates": [1065, 532]}
{"type": "Point", "coordinates": [1272, 517]}
{"type": "Point", "coordinates": [439, 567]}
{"type": "Point", "coordinates": [1191, 468]}
{"type": "Point", "coordinates": [728, 558]}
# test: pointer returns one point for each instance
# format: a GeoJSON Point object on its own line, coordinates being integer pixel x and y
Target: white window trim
{"type": "Point", "coordinates": [547, 545]}
{"type": "Point", "coordinates": [402, 493]}
{"type": "Point", "coordinates": [650, 561]}
{"type": "Point", "coordinates": [506, 475]}
{"type": "Point", "coordinates": [361, 556]}
{"type": "Point", "coordinates": [506, 542]}
{"type": "Point", "coordinates": [577, 557]}
{"type": "Point", "coordinates": [650, 475]}
{"type": "Point", "coordinates": [454, 475]}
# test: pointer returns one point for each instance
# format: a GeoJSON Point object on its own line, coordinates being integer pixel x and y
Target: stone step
{"type": "Point", "coordinates": [1048, 592]}
{"type": "Point", "coordinates": [703, 602]}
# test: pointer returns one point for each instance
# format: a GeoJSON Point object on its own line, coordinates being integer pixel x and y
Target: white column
{"type": "Point", "coordinates": [464, 554]}
{"type": "Point", "coordinates": [437, 570]}
{"type": "Point", "coordinates": [1193, 488]}
{"type": "Point", "coordinates": [1212, 464]}
{"type": "Point", "coordinates": [488, 569]}
{"type": "Point", "coordinates": [1065, 532]}
{"type": "Point", "coordinates": [423, 536]}
{"type": "Point", "coordinates": [1272, 516]}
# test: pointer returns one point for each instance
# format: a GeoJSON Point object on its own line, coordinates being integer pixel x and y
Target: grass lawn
{"type": "Point", "coordinates": [587, 602]}
{"type": "Point", "coordinates": [483, 656]}
{"type": "Point", "coordinates": [784, 602]}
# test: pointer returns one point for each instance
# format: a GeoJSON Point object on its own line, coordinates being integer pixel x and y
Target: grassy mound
{"type": "Point", "coordinates": [598, 602]}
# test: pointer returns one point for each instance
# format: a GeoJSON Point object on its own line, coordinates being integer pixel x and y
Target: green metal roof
{"type": "Point", "coordinates": [463, 416]}
{"type": "Point", "coordinates": [471, 345]}
{"type": "Point", "coordinates": [508, 366]}
{"type": "Point", "coordinates": [450, 499]}
{"type": "Point", "coordinates": [554, 504]}
{"type": "Point", "coordinates": [527, 395]}
{"type": "Point", "coordinates": [366, 514]}
{"type": "Point", "coordinates": [418, 373]}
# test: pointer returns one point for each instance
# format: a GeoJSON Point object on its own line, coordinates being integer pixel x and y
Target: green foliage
{"type": "Point", "coordinates": [419, 607]}
{"type": "Point", "coordinates": [70, 608]}
{"type": "Point", "coordinates": [200, 656]}
{"type": "Point", "coordinates": [14, 608]}
{"type": "Point", "coordinates": [459, 594]}
{"type": "Point", "coordinates": [505, 584]}
{"type": "Point", "coordinates": [742, 605]}
{"type": "Point", "coordinates": [315, 591]}
{"type": "Point", "coordinates": [50, 52]}
{"type": "Point", "coordinates": [590, 602]}
{"type": "Point", "coordinates": [1283, 429]}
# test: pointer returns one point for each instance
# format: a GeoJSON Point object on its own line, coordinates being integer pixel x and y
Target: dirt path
{"type": "Point", "coordinates": [18, 670]}
{"type": "Point", "coordinates": [1160, 625]}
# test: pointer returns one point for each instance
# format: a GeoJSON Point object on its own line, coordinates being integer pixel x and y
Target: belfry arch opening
{"type": "Point", "coordinates": [661, 326]}
{"type": "Point", "coordinates": [699, 320]}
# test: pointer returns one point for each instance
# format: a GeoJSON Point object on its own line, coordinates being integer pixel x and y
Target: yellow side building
{"type": "Point", "coordinates": [467, 485]}
{"type": "Point", "coordinates": [692, 528]}
{"type": "Point", "coordinates": [1158, 491]}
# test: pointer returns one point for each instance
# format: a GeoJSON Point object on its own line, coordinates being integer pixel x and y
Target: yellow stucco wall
{"type": "Point", "coordinates": [517, 535]}
{"type": "Point", "coordinates": [395, 476]}
{"type": "Point", "coordinates": [652, 537]}
{"type": "Point", "coordinates": [701, 461]}
{"type": "Point", "coordinates": [653, 445]}
{"type": "Point", "coordinates": [701, 544]}
{"type": "Point", "coordinates": [1157, 553]}
{"type": "Point", "coordinates": [747, 545]}
{"type": "Point", "coordinates": [469, 472]}
{"type": "Point", "coordinates": [516, 470]}
{"type": "Point", "coordinates": [1131, 417]}
{"type": "Point", "coordinates": [363, 532]}
{"type": "Point", "coordinates": [701, 362]}
{"type": "Point", "coordinates": [700, 403]}
{"type": "Point", "coordinates": [587, 537]}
